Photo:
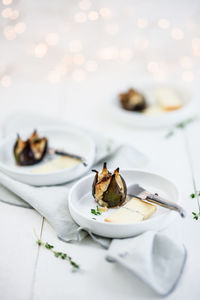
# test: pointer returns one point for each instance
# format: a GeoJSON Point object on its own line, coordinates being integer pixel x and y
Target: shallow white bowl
{"type": "Point", "coordinates": [161, 120]}
{"type": "Point", "coordinates": [81, 201]}
{"type": "Point", "coordinates": [71, 140]}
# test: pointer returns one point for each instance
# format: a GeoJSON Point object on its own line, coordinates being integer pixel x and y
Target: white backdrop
{"type": "Point", "coordinates": [57, 55]}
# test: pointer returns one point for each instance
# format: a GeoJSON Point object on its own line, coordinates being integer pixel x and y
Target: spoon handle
{"type": "Point", "coordinates": [64, 153]}
{"type": "Point", "coordinates": [165, 203]}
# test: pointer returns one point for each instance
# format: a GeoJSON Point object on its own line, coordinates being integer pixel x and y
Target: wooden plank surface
{"type": "Point", "coordinates": [18, 251]}
{"type": "Point", "coordinates": [28, 274]}
{"type": "Point", "coordinates": [104, 280]}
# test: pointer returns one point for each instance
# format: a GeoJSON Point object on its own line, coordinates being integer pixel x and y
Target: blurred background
{"type": "Point", "coordinates": [68, 59]}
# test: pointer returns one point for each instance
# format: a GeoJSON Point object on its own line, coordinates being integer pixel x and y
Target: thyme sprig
{"type": "Point", "coordinates": [61, 255]}
{"type": "Point", "coordinates": [95, 212]}
{"type": "Point", "coordinates": [180, 125]}
{"type": "Point", "coordinates": [196, 215]}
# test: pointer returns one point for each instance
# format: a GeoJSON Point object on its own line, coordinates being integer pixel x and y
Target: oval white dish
{"type": "Point", "coordinates": [68, 139]}
{"type": "Point", "coordinates": [165, 119]}
{"type": "Point", "coordinates": [81, 202]}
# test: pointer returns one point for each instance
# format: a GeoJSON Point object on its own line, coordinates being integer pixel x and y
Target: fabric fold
{"type": "Point", "coordinates": [153, 257]}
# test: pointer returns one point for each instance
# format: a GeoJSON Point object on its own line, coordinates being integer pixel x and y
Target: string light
{"type": "Point", "coordinates": [153, 67]}
{"type": "Point", "coordinates": [65, 27]}
{"type": "Point", "coordinates": [6, 81]}
{"type": "Point", "coordinates": [142, 23]}
{"type": "Point", "coordinates": [7, 2]}
{"type": "Point", "coordinates": [67, 60]}
{"type": "Point", "coordinates": [52, 39]}
{"type": "Point", "coordinates": [6, 12]}
{"type": "Point", "coordinates": [93, 15]}
{"type": "Point", "coordinates": [177, 34]}
{"type": "Point", "coordinates": [91, 65]}
{"type": "Point", "coordinates": [163, 24]}
{"type": "Point", "coordinates": [110, 53]}
{"type": "Point", "coordinates": [20, 28]}
{"type": "Point", "coordinates": [78, 59]}
{"type": "Point", "coordinates": [40, 50]}
{"type": "Point", "coordinates": [75, 46]}
{"type": "Point", "coordinates": [61, 69]}
{"type": "Point", "coordinates": [105, 12]}
{"type": "Point", "coordinates": [126, 54]}
{"type": "Point", "coordinates": [78, 75]}
{"type": "Point", "coordinates": [186, 62]}
{"type": "Point", "coordinates": [85, 4]}
{"type": "Point", "coordinates": [188, 76]}
{"type": "Point", "coordinates": [14, 14]}
{"type": "Point", "coordinates": [112, 29]}
{"type": "Point", "coordinates": [159, 76]}
{"type": "Point", "coordinates": [80, 17]}
{"type": "Point", "coordinates": [196, 46]}
{"type": "Point", "coordinates": [9, 33]}
{"type": "Point", "coordinates": [141, 43]}
{"type": "Point", "coordinates": [191, 24]}
{"type": "Point", "coordinates": [54, 77]}
{"type": "Point", "coordinates": [158, 69]}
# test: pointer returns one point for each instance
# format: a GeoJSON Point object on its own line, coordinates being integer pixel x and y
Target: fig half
{"type": "Point", "coordinates": [133, 101]}
{"type": "Point", "coordinates": [31, 151]}
{"type": "Point", "coordinates": [109, 189]}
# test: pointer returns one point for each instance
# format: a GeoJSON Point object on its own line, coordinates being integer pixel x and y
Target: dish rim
{"type": "Point", "coordinates": [17, 171]}
{"type": "Point", "coordinates": [167, 213]}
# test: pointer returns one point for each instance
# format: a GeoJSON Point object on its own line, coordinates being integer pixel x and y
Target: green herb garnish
{"type": "Point", "coordinates": [196, 195]}
{"type": "Point", "coordinates": [62, 255]}
{"type": "Point", "coordinates": [196, 215]}
{"type": "Point", "coordinates": [95, 212]}
{"type": "Point", "coordinates": [108, 146]}
{"type": "Point", "coordinates": [180, 125]}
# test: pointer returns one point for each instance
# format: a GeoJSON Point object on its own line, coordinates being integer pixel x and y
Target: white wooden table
{"type": "Point", "coordinates": [28, 272]}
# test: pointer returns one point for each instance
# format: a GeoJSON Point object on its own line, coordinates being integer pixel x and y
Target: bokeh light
{"type": "Point", "coordinates": [52, 39]}
{"type": "Point", "coordinates": [164, 23]}
{"type": "Point", "coordinates": [40, 50]}
{"type": "Point", "coordinates": [93, 15]}
{"type": "Point", "coordinates": [6, 81]}
{"type": "Point", "coordinates": [75, 46]}
{"type": "Point", "coordinates": [85, 4]}
{"type": "Point", "coordinates": [177, 34]}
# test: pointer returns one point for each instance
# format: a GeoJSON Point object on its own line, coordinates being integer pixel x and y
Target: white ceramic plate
{"type": "Point", "coordinates": [81, 201]}
{"type": "Point", "coordinates": [159, 120]}
{"type": "Point", "coordinates": [71, 140]}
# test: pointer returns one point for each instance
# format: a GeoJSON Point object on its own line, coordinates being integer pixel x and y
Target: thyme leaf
{"type": "Point", "coordinates": [95, 212]}
{"type": "Point", "coordinates": [180, 125]}
{"type": "Point", "coordinates": [196, 215]}
{"type": "Point", "coordinates": [62, 255]}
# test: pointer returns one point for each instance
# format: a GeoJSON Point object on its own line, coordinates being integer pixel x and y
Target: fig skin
{"type": "Point", "coordinates": [132, 101]}
{"type": "Point", "coordinates": [111, 194]}
{"type": "Point", "coordinates": [29, 154]}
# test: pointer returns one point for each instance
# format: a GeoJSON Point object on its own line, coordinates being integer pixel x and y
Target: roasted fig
{"type": "Point", "coordinates": [109, 189]}
{"type": "Point", "coordinates": [132, 100]}
{"type": "Point", "coordinates": [31, 151]}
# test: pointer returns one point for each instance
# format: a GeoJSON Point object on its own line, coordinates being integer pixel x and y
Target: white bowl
{"type": "Point", "coordinates": [81, 201]}
{"type": "Point", "coordinates": [160, 120]}
{"type": "Point", "coordinates": [71, 140]}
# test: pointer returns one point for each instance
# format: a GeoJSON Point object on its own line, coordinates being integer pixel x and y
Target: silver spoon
{"type": "Point", "coordinates": [139, 192]}
{"type": "Point", "coordinates": [53, 151]}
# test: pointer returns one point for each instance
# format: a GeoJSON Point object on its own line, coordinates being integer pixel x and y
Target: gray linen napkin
{"type": "Point", "coordinates": [51, 202]}
{"type": "Point", "coordinates": [154, 258]}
